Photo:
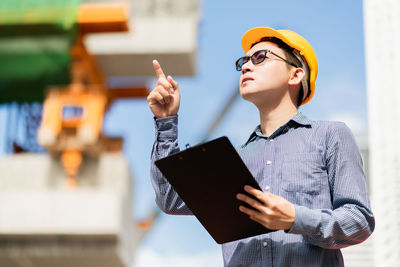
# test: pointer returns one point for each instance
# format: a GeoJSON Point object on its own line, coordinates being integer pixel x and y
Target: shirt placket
{"type": "Point", "coordinates": [269, 163]}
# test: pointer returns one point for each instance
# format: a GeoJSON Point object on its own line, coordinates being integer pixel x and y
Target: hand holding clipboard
{"type": "Point", "coordinates": [208, 178]}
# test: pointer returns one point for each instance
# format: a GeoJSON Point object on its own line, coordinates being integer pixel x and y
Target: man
{"type": "Point", "coordinates": [315, 194]}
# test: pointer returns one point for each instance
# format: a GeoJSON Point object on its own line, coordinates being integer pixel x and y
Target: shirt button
{"type": "Point", "coordinates": [271, 140]}
{"type": "Point", "coordinates": [269, 162]}
{"type": "Point", "coordinates": [265, 244]}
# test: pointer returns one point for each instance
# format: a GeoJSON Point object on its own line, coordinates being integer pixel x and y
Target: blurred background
{"type": "Point", "coordinates": [76, 133]}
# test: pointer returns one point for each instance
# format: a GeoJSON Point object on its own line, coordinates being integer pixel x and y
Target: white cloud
{"type": "Point", "coordinates": [357, 125]}
{"type": "Point", "coordinates": [146, 257]}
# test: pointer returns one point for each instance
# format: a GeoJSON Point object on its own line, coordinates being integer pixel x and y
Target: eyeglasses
{"type": "Point", "coordinates": [257, 58]}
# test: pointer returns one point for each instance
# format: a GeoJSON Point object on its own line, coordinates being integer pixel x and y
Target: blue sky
{"type": "Point", "coordinates": [334, 29]}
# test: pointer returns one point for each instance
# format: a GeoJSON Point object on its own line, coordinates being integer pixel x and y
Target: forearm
{"type": "Point", "coordinates": [166, 143]}
{"type": "Point", "coordinates": [347, 225]}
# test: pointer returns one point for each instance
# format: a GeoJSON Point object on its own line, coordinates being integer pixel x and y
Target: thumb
{"type": "Point", "coordinates": [173, 83]}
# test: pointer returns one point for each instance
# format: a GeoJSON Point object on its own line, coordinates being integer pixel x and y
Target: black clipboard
{"type": "Point", "coordinates": [207, 177]}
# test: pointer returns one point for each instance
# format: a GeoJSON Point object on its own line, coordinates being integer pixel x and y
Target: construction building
{"type": "Point", "coordinates": [72, 205]}
{"type": "Point", "coordinates": [382, 42]}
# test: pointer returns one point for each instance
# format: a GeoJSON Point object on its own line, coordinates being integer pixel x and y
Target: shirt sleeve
{"type": "Point", "coordinates": [166, 143]}
{"type": "Point", "coordinates": [350, 221]}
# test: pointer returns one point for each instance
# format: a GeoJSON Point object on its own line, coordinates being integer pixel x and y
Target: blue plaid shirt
{"type": "Point", "coordinates": [317, 166]}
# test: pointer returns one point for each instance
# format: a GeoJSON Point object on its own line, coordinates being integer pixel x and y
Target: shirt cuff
{"type": "Point", "coordinates": [306, 222]}
{"type": "Point", "coordinates": [166, 128]}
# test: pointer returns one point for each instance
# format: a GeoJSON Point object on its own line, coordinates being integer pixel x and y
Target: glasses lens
{"type": "Point", "coordinates": [258, 56]}
{"type": "Point", "coordinates": [240, 62]}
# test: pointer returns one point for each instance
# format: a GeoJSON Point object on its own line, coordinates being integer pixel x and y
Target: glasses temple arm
{"type": "Point", "coordinates": [288, 62]}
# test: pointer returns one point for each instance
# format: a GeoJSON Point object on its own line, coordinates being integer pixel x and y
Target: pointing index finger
{"type": "Point", "coordinates": [158, 69]}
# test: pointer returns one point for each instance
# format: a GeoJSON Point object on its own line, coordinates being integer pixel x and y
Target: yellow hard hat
{"type": "Point", "coordinates": [293, 40]}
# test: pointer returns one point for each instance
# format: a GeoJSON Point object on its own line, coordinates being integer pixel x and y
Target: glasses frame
{"type": "Point", "coordinates": [246, 59]}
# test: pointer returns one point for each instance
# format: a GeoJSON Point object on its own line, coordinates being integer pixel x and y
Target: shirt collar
{"type": "Point", "coordinates": [301, 119]}
{"type": "Point", "coordinates": [298, 118]}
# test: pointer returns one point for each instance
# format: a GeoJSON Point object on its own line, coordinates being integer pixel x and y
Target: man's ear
{"type": "Point", "coordinates": [296, 76]}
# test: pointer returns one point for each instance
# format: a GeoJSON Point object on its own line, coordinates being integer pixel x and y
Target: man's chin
{"type": "Point", "coordinates": [250, 97]}
{"type": "Point", "coordinates": [248, 93]}
{"type": "Point", "coordinates": [244, 95]}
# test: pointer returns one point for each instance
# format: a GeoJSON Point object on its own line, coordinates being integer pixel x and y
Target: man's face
{"type": "Point", "coordinates": [267, 80]}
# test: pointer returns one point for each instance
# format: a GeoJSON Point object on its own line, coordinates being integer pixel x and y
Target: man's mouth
{"type": "Point", "coordinates": [247, 79]}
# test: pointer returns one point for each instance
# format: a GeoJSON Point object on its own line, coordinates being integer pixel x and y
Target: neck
{"type": "Point", "coordinates": [271, 118]}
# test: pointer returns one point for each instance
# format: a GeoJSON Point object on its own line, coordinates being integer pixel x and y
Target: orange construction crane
{"type": "Point", "coordinates": [73, 115]}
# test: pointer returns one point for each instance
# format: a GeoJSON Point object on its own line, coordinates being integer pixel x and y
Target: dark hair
{"type": "Point", "coordinates": [288, 51]}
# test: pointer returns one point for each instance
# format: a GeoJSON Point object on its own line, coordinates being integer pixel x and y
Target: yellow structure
{"type": "Point", "coordinates": [73, 136]}
{"type": "Point", "coordinates": [86, 219]}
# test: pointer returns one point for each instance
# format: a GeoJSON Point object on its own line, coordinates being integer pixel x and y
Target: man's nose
{"type": "Point", "coordinates": [248, 66]}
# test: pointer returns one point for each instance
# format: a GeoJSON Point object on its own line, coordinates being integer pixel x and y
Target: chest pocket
{"type": "Point", "coordinates": [303, 173]}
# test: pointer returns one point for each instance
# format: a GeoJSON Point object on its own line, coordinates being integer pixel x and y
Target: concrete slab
{"type": "Point", "coordinates": [43, 222]}
{"type": "Point", "coordinates": [171, 40]}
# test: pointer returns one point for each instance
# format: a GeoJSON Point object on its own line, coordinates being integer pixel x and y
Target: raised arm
{"type": "Point", "coordinates": [164, 103]}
